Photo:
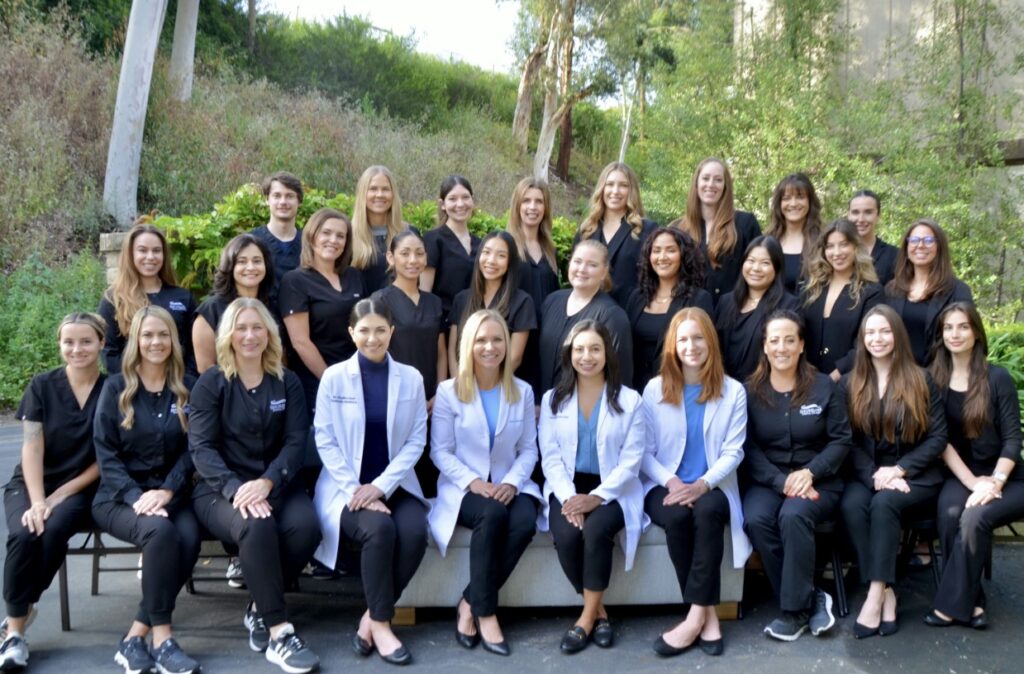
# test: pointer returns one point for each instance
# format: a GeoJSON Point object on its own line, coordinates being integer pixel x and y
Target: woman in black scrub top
{"type": "Point", "coordinates": [740, 315]}
{"type": "Point", "coordinates": [671, 277]}
{"type": "Point", "coordinates": [864, 210]}
{"type": "Point", "coordinates": [587, 299]}
{"type": "Point", "coordinates": [898, 435]}
{"type": "Point", "coordinates": [495, 286]}
{"type": "Point", "coordinates": [985, 490]}
{"type": "Point", "coordinates": [798, 436]}
{"type": "Point", "coordinates": [376, 220]}
{"type": "Point", "coordinates": [616, 219]}
{"type": "Point", "coordinates": [796, 224]}
{"type": "Point", "coordinates": [316, 299]}
{"type": "Point", "coordinates": [924, 285]}
{"type": "Point", "coordinates": [529, 223]}
{"type": "Point", "coordinates": [144, 276]}
{"type": "Point", "coordinates": [245, 270]}
{"type": "Point", "coordinates": [711, 219]}
{"type": "Point", "coordinates": [841, 287]}
{"type": "Point", "coordinates": [49, 495]}
{"type": "Point", "coordinates": [141, 440]}
{"type": "Point", "coordinates": [248, 427]}
{"type": "Point", "coordinates": [451, 248]}
{"type": "Point", "coordinates": [417, 315]}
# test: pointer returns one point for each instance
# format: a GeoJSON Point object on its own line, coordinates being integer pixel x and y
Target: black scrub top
{"type": "Point", "coordinates": [67, 428]}
{"type": "Point", "coordinates": [213, 307]}
{"type": "Point", "coordinates": [539, 280]}
{"type": "Point", "coordinates": [884, 257]}
{"type": "Point", "coordinates": [555, 326]}
{"type": "Point", "coordinates": [308, 291]}
{"type": "Point", "coordinates": [722, 280]}
{"type": "Point", "coordinates": [783, 438]}
{"type": "Point", "coordinates": [649, 330]}
{"type": "Point", "coordinates": [153, 454]}
{"type": "Point", "coordinates": [791, 272]}
{"type": "Point", "coordinates": [375, 276]}
{"type": "Point", "coordinates": [284, 254]}
{"type": "Point", "coordinates": [238, 434]}
{"type": "Point", "coordinates": [177, 301]}
{"type": "Point", "coordinates": [623, 253]}
{"type": "Point", "coordinates": [1000, 438]}
{"type": "Point", "coordinates": [452, 265]}
{"type": "Point", "coordinates": [915, 319]}
{"type": "Point", "coordinates": [921, 319]}
{"type": "Point", "coordinates": [417, 327]}
{"type": "Point", "coordinates": [920, 459]}
{"type": "Point", "coordinates": [831, 342]}
{"type": "Point", "coordinates": [521, 317]}
{"type": "Point", "coordinates": [743, 342]}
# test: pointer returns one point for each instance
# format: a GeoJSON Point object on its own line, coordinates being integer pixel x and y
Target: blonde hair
{"type": "Point", "coordinates": [515, 221]}
{"type": "Point", "coordinates": [606, 284]}
{"type": "Point", "coordinates": [634, 207]}
{"type": "Point", "coordinates": [819, 270]}
{"type": "Point", "coordinates": [364, 251]}
{"type": "Point", "coordinates": [465, 378]}
{"type": "Point", "coordinates": [174, 367]}
{"type": "Point", "coordinates": [126, 292]}
{"type": "Point", "coordinates": [312, 228]}
{"type": "Point", "coordinates": [271, 361]}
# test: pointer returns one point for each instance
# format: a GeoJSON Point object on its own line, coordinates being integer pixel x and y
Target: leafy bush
{"type": "Point", "coordinates": [1006, 348]}
{"type": "Point", "coordinates": [33, 300]}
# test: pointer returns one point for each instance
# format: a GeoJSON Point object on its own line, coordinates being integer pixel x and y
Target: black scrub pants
{"type": "Point", "coordinates": [873, 522]}
{"type": "Point", "coordinates": [272, 550]}
{"type": "Point", "coordinates": [501, 535]}
{"type": "Point", "coordinates": [695, 540]}
{"type": "Point", "coordinates": [782, 531]}
{"type": "Point", "coordinates": [32, 561]}
{"type": "Point", "coordinates": [960, 589]}
{"type": "Point", "coordinates": [170, 547]}
{"type": "Point", "coordinates": [392, 547]}
{"type": "Point", "coordinates": [586, 556]}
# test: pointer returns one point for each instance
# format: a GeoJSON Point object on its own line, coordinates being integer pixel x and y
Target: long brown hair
{"type": "Point", "coordinates": [903, 410]}
{"type": "Point", "coordinates": [712, 372]}
{"type": "Point", "coordinates": [126, 292]}
{"type": "Point", "coordinates": [722, 236]}
{"type": "Point", "coordinates": [819, 270]}
{"type": "Point", "coordinates": [515, 221]}
{"type": "Point", "coordinates": [760, 382]}
{"type": "Point", "coordinates": [976, 400]}
{"type": "Point", "coordinates": [940, 275]}
{"type": "Point", "coordinates": [800, 184]}
{"type": "Point", "coordinates": [634, 206]}
{"type": "Point", "coordinates": [312, 228]}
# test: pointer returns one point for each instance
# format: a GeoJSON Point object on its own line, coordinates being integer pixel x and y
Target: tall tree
{"type": "Point", "coordinates": [183, 51]}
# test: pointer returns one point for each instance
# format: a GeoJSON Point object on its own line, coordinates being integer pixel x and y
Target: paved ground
{"type": "Point", "coordinates": [209, 627]}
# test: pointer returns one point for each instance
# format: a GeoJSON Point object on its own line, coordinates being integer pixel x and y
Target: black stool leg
{"type": "Point", "coordinates": [65, 611]}
{"type": "Point", "coordinates": [837, 573]}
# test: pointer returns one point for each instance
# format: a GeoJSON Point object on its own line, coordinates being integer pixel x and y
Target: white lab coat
{"type": "Point", "coordinates": [620, 449]}
{"type": "Point", "coordinates": [340, 425]}
{"type": "Point", "coordinates": [725, 429]}
{"type": "Point", "coordinates": [460, 448]}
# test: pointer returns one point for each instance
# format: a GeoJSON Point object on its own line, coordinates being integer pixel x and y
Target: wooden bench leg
{"type": "Point", "coordinates": [65, 612]}
{"type": "Point", "coordinates": [405, 616]}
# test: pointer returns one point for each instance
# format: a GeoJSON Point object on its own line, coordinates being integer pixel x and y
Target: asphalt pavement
{"type": "Point", "coordinates": [209, 627]}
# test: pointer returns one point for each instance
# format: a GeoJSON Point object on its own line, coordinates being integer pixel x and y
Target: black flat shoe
{"type": "Point", "coordinates": [574, 640]}
{"type": "Point", "coordinates": [498, 648]}
{"type": "Point", "coordinates": [863, 631]}
{"type": "Point", "coordinates": [603, 634]}
{"type": "Point", "coordinates": [361, 646]}
{"type": "Point", "coordinates": [667, 650]}
{"type": "Point", "coordinates": [712, 646]}
{"type": "Point", "coordinates": [932, 619]}
{"type": "Point", "coordinates": [980, 621]}
{"type": "Point", "coordinates": [400, 656]}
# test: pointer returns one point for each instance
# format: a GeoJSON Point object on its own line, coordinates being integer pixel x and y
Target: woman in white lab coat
{"type": "Point", "coordinates": [696, 425]}
{"type": "Point", "coordinates": [591, 445]}
{"type": "Point", "coordinates": [370, 426]}
{"type": "Point", "coordinates": [483, 439]}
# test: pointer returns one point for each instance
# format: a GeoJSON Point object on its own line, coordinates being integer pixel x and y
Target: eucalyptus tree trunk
{"type": "Point", "coordinates": [183, 52]}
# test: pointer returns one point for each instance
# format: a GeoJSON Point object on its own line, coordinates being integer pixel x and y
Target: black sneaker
{"type": "Point", "coordinates": [133, 654]}
{"type": "Point", "coordinates": [259, 635]}
{"type": "Point", "coordinates": [170, 659]}
{"type": "Point", "coordinates": [318, 571]}
{"type": "Point", "coordinates": [13, 653]}
{"type": "Point", "coordinates": [236, 578]}
{"type": "Point", "coordinates": [822, 618]}
{"type": "Point", "coordinates": [289, 652]}
{"type": "Point", "coordinates": [789, 627]}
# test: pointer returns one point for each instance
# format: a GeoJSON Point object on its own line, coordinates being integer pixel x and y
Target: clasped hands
{"type": "Point", "coordinates": [983, 491]}
{"type": "Point", "coordinates": [251, 498]}
{"type": "Point", "coordinates": [502, 492]}
{"type": "Point", "coordinates": [891, 477]}
{"type": "Point", "coordinates": [681, 493]}
{"type": "Point", "coordinates": [800, 484]}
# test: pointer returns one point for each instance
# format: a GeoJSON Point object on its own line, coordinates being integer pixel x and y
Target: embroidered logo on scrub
{"type": "Point", "coordinates": [174, 409]}
{"type": "Point", "coordinates": [278, 405]}
{"type": "Point", "coordinates": [811, 410]}
{"type": "Point", "coordinates": [176, 306]}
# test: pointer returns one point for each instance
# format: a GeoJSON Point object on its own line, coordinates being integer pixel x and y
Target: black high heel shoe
{"type": "Point", "coordinates": [863, 631]}
{"type": "Point", "coordinates": [465, 640]}
{"type": "Point", "coordinates": [887, 628]}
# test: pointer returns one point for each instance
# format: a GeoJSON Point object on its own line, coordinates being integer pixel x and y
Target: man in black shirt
{"type": "Point", "coordinates": [284, 195]}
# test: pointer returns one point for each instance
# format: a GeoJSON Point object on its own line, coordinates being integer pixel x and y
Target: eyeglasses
{"type": "Point", "coordinates": [926, 241]}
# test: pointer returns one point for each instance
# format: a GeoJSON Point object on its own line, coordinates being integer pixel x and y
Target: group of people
{"type": "Point", "coordinates": [696, 376]}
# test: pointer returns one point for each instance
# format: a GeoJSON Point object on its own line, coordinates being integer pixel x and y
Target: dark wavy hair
{"type": "Point", "coordinates": [941, 277]}
{"type": "Point", "coordinates": [760, 382]}
{"type": "Point", "coordinates": [691, 266]}
{"type": "Point", "coordinates": [224, 275]}
{"type": "Point", "coordinates": [565, 388]}
{"type": "Point", "coordinates": [509, 283]}
{"type": "Point", "coordinates": [976, 400]}
{"type": "Point", "coordinates": [741, 292]}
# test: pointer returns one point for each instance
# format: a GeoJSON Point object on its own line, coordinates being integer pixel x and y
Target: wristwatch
{"type": "Point", "coordinates": [1000, 477]}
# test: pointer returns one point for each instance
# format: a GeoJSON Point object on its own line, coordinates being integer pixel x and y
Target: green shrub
{"type": "Point", "coordinates": [33, 299]}
{"type": "Point", "coordinates": [1006, 348]}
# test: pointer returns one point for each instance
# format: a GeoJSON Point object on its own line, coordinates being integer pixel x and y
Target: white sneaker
{"type": "Point", "coordinates": [13, 653]}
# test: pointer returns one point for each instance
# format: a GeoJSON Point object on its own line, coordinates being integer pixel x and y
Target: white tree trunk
{"type": "Point", "coordinates": [546, 138]}
{"type": "Point", "coordinates": [524, 96]}
{"type": "Point", "coordinates": [121, 183]}
{"type": "Point", "coordinates": [183, 52]}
